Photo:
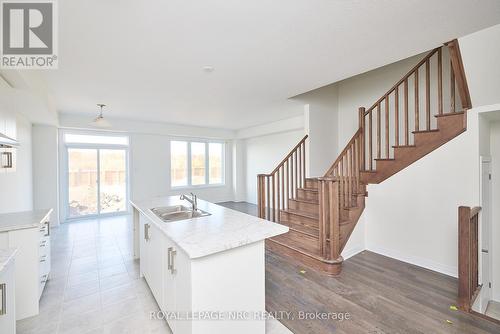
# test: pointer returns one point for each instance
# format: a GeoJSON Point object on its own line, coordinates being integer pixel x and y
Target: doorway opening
{"type": "Point", "coordinates": [95, 179]}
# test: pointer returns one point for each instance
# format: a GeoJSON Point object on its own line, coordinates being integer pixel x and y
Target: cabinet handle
{"type": "Point", "coordinates": [171, 257]}
{"type": "Point", "coordinates": [43, 258]}
{"type": "Point", "coordinates": [3, 289]}
{"type": "Point", "coordinates": [7, 162]}
{"type": "Point", "coordinates": [46, 229]}
{"type": "Point", "coordinates": [44, 279]}
{"type": "Point", "coordinates": [173, 270]}
{"type": "Point", "coordinates": [146, 232]}
{"type": "Point", "coordinates": [43, 243]}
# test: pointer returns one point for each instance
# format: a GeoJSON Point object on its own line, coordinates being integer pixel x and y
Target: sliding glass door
{"type": "Point", "coordinates": [96, 169]}
{"type": "Point", "coordinates": [82, 182]}
{"type": "Point", "coordinates": [112, 180]}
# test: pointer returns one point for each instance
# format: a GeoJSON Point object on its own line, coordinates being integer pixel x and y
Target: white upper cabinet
{"type": "Point", "coordinates": [8, 126]}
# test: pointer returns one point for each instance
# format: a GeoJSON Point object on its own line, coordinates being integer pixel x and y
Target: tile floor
{"type": "Point", "coordinates": [493, 310]}
{"type": "Point", "coordinates": [95, 285]}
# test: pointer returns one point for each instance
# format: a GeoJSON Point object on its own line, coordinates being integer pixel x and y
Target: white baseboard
{"type": "Point", "coordinates": [415, 260]}
{"type": "Point", "coordinates": [348, 253]}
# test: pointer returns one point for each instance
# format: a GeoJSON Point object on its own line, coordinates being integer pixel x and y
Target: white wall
{"type": "Point", "coordinates": [412, 216]}
{"type": "Point", "coordinates": [45, 169]}
{"type": "Point", "coordinates": [263, 154]}
{"type": "Point", "coordinates": [149, 159]}
{"type": "Point", "coordinates": [321, 124]}
{"type": "Point", "coordinates": [363, 90]}
{"type": "Point", "coordinates": [17, 187]}
{"type": "Point", "coordinates": [239, 171]}
{"type": "Point", "coordinates": [150, 170]}
{"type": "Point", "coordinates": [495, 204]}
{"type": "Point", "coordinates": [480, 54]}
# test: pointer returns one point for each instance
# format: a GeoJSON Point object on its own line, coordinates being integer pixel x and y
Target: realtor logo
{"type": "Point", "coordinates": [28, 34]}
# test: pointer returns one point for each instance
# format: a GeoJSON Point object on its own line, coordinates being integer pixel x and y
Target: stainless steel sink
{"type": "Point", "coordinates": [177, 212]}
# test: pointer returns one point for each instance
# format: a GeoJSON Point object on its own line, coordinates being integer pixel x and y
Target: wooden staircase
{"type": "Point", "coordinates": [322, 212]}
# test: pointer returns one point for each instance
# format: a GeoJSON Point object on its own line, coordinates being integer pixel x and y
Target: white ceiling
{"type": "Point", "coordinates": [145, 59]}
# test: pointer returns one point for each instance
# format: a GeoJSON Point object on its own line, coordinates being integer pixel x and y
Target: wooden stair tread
{"type": "Point", "coordinates": [309, 201]}
{"type": "Point", "coordinates": [300, 242]}
{"type": "Point", "coordinates": [304, 229]}
{"type": "Point", "coordinates": [300, 213]}
{"type": "Point", "coordinates": [384, 159]}
{"type": "Point", "coordinates": [425, 131]}
{"type": "Point", "coordinates": [450, 114]}
{"type": "Point", "coordinates": [310, 189]}
{"type": "Point", "coordinates": [403, 146]}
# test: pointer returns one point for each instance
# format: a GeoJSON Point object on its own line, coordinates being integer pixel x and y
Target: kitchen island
{"type": "Point", "coordinates": [207, 274]}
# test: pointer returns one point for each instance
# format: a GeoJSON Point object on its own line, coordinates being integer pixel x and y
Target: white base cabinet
{"type": "Point", "coordinates": [32, 265]}
{"type": "Point", "coordinates": [8, 300]}
{"type": "Point", "coordinates": [194, 293]}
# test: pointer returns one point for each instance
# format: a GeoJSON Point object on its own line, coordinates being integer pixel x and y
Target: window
{"type": "Point", "coordinates": [196, 163]}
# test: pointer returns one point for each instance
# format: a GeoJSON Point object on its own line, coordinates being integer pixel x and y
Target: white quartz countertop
{"type": "Point", "coordinates": [224, 229]}
{"type": "Point", "coordinates": [6, 255]}
{"type": "Point", "coordinates": [21, 220]}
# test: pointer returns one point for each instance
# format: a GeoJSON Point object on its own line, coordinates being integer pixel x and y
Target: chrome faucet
{"type": "Point", "coordinates": [193, 200]}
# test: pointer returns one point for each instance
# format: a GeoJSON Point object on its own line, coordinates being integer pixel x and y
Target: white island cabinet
{"type": "Point", "coordinates": [207, 274]}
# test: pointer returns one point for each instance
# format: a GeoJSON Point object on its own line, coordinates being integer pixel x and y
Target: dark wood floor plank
{"type": "Point", "coordinates": [382, 295]}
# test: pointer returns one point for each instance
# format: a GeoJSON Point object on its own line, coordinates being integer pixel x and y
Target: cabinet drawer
{"type": "Point", "coordinates": [41, 284]}
{"type": "Point", "coordinates": [44, 246]}
{"type": "Point", "coordinates": [44, 264]}
{"type": "Point", "coordinates": [44, 230]}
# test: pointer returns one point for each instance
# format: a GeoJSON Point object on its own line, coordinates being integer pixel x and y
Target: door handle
{"type": "Point", "coordinates": [3, 289]}
{"type": "Point", "coordinates": [484, 251]}
{"type": "Point", "coordinates": [146, 232]}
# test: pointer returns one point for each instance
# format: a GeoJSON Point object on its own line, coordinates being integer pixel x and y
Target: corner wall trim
{"type": "Point", "coordinates": [348, 253]}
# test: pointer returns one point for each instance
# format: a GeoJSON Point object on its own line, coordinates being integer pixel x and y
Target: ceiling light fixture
{"type": "Point", "coordinates": [99, 121]}
{"type": "Point", "coordinates": [208, 69]}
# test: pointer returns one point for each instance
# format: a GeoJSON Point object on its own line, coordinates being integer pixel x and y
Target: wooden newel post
{"type": "Point", "coordinates": [260, 196]}
{"type": "Point", "coordinates": [464, 288]}
{"type": "Point", "coordinates": [362, 111]}
{"type": "Point", "coordinates": [334, 206]}
{"type": "Point", "coordinates": [468, 256]}
{"type": "Point", "coordinates": [322, 218]}
{"type": "Point", "coordinates": [329, 218]}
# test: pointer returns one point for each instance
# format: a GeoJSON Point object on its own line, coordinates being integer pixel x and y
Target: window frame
{"type": "Point", "coordinates": [207, 143]}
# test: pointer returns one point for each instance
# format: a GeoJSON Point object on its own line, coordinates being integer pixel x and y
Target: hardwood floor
{"type": "Point", "coordinates": [380, 294]}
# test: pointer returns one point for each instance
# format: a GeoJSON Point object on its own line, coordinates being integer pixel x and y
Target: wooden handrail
{"type": "Point", "coordinates": [423, 85]}
{"type": "Point", "coordinates": [403, 79]}
{"type": "Point", "coordinates": [276, 188]}
{"type": "Point", "coordinates": [289, 154]}
{"type": "Point", "coordinates": [468, 256]}
{"type": "Point", "coordinates": [459, 71]}
{"type": "Point", "coordinates": [474, 211]}
{"type": "Point", "coordinates": [342, 154]}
